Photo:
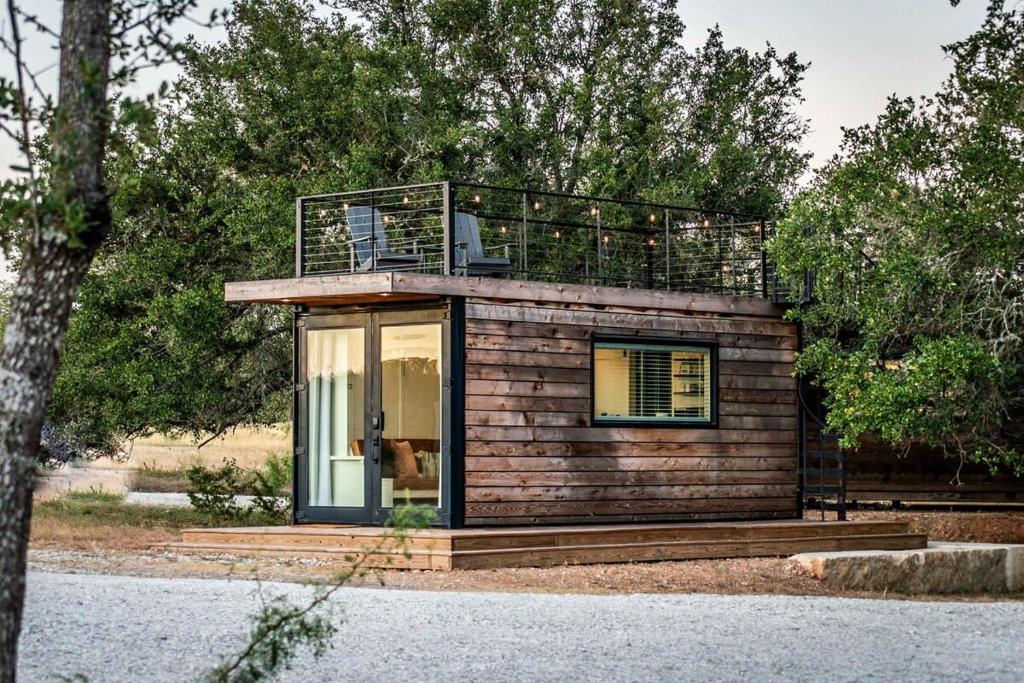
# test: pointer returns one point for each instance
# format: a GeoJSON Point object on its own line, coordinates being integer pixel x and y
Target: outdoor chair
{"type": "Point", "coordinates": [367, 231]}
{"type": "Point", "coordinates": [470, 255]}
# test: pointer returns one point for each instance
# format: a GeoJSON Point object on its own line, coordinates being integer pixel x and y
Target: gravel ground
{"type": "Point", "coordinates": [117, 628]}
{"type": "Point", "coordinates": [171, 499]}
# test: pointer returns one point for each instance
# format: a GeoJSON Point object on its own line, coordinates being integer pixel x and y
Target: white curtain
{"type": "Point", "coordinates": [328, 376]}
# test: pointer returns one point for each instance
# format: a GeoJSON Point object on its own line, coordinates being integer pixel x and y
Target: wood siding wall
{"type": "Point", "coordinates": [532, 456]}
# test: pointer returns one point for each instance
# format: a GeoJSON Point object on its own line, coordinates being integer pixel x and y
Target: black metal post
{"type": "Point", "coordinates": [761, 227]}
{"type": "Point", "coordinates": [649, 257]}
{"type": "Point", "coordinates": [447, 225]}
{"type": "Point", "coordinates": [373, 235]}
{"type": "Point", "coordinates": [300, 242]}
{"type": "Point", "coordinates": [668, 256]}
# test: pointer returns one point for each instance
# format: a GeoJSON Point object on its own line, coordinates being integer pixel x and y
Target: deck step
{"type": "Point", "coordinates": [547, 546]}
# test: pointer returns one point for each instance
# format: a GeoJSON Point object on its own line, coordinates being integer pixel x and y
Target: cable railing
{"type": "Point", "coordinates": [470, 229]}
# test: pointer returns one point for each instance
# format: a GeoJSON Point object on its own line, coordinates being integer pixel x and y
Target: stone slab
{"type": "Point", "coordinates": [941, 568]}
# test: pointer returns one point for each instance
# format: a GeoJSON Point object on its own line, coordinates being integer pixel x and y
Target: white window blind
{"type": "Point", "coordinates": [651, 382]}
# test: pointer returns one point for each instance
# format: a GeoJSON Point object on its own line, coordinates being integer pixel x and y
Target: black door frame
{"type": "Point", "coordinates": [370, 320]}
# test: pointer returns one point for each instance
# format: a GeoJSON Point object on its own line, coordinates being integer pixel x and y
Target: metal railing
{"type": "Point", "coordinates": [536, 236]}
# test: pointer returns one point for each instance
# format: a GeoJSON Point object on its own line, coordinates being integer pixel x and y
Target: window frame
{"type": "Point", "coordinates": [641, 422]}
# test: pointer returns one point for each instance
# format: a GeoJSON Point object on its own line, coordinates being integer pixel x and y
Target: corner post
{"type": "Point", "coordinates": [448, 223]}
{"type": "Point", "coordinates": [762, 225]}
{"type": "Point", "coordinates": [300, 243]}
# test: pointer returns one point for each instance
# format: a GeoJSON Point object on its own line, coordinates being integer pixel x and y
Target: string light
{"type": "Point", "coordinates": [594, 211]}
{"type": "Point", "coordinates": [323, 213]}
{"type": "Point", "coordinates": [345, 206]}
{"type": "Point", "coordinates": [476, 198]}
{"type": "Point", "coordinates": [707, 222]}
{"type": "Point", "coordinates": [536, 206]}
{"type": "Point", "coordinates": [606, 239]}
{"type": "Point", "coordinates": [651, 242]}
{"type": "Point", "coordinates": [387, 219]}
{"type": "Point", "coordinates": [503, 229]}
{"type": "Point", "coordinates": [757, 229]}
{"type": "Point", "coordinates": [405, 199]}
{"type": "Point", "coordinates": [652, 218]}
{"type": "Point", "coordinates": [558, 234]}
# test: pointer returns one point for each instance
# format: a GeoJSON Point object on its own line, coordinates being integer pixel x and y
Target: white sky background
{"type": "Point", "coordinates": [861, 51]}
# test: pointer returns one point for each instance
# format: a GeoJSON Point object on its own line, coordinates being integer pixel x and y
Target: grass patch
{"type": "Point", "coordinates": [151, 480]}
{"type": "Point", "coordinates": [99, 508]}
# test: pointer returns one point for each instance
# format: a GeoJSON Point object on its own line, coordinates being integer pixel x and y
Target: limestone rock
{"type": "Point", "coordinates": [941, 568]}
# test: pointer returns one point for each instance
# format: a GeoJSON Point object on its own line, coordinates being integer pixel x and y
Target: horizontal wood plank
{"type": "Point", "coordinates": [628, 478]}
{"type": "Point", "coordinates": [581, 465]}
{"type": "Point", "coordinates": [636, 449]}
{"type": "Point", "coordinates": [627, 493]}
{"type": "Point", "coordinates": [649, 434]}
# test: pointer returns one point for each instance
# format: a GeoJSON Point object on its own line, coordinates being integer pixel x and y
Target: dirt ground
{"type": "Point", "coordinates": [58, 545]}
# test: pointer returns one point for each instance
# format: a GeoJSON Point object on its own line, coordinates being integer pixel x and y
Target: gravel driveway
{"type": "Point", "coordinates": [114, 628]}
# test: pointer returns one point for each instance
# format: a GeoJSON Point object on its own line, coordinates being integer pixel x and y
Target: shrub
{"type": "Point", "coordinates": [271, 485]}
{"type": "Point", "coordinates": [213, 490]}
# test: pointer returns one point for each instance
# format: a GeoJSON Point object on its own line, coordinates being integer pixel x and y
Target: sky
{"type": "Point", "coordinates": [861, 51]}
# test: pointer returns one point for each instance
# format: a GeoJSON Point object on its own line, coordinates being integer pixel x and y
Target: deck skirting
{"type": "Point", "coordinates": [446, 549]}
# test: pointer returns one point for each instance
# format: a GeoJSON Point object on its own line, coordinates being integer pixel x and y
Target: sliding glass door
{"type": "Point", "coordinates": [410, 414]}
{"type": "Point", "coordinates": [370, 415]}
{"type": "Point", "coordinates": [336, 409]}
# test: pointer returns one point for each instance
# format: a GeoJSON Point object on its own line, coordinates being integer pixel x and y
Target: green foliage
{"type": "Point", "coordinates": [271, 485]}
{"type": "Point", "coordinates": [589, 97]}
{"type": "Point", "coordinates": [280, 629]}
{"type": "Point", "coordinates": [213, 490]}
{"type": "Point", "coordinates": [916, 236]}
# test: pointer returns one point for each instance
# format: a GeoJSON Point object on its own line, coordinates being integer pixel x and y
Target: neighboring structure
{"type": "Point", "coordinates": [516, 357]}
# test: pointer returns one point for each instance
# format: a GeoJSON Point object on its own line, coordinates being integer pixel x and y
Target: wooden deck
{"type": "Point", "coordinates": [445, 549]}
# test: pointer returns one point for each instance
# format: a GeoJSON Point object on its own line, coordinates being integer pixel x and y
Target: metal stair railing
{"type": "Point", "coordinates": [822, 469]}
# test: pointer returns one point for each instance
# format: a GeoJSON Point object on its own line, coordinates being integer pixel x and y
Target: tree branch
{"type": "Point", "coordinates": [23, 115]}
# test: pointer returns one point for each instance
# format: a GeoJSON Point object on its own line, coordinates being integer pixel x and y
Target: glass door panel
{"type": "Point", "coordinates": [410, 414]}
{"type": "Point", "coordinates": [336, 387]}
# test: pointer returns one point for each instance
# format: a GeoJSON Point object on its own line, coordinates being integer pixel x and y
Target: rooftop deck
{"type": "Point", "coordinates": [463, 229]}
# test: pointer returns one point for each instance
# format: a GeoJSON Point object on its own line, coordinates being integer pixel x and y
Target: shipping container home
{"type": "Point", "coordinates": [521, 359]}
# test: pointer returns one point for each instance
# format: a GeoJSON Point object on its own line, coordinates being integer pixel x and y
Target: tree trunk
{"type": "Point", "coordinates": [74, 220]}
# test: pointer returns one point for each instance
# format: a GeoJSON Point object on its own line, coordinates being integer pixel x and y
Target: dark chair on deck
{"type": "Point", "coordinates": [470, 255]}
{"type": "Point", "coordinates": [367, 231]}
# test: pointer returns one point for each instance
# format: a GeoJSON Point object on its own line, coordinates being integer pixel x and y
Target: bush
{"type": "Point", "coordinates": [271, 485]}
{"type": "Point", "coordinates": [213, 490]}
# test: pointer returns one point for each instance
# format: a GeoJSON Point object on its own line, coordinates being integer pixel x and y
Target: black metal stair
{"type": "Point", "coordinates": [822, 461]}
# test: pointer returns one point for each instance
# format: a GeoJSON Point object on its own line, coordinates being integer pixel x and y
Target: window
{"type": "Point", "coordinates": [653, 382]}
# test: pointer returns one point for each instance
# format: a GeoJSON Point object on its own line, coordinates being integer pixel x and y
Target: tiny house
{"type": "Point", "coordinates": [514, 357]}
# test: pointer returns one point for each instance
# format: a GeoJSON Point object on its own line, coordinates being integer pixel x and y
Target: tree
{"type": "Point", "coordinates": [57, 219]}
{"type": "Point", "coordinates": [586, 96]}
{"type": "Point", "coordinates": [916, 236]}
